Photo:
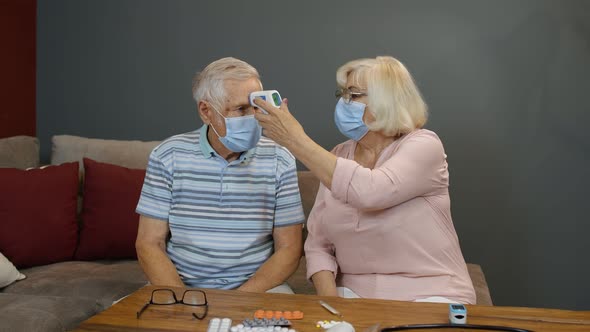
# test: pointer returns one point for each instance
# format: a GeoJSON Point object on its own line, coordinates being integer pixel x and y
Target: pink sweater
{"type": "Point", "coordinates": [387, 232]}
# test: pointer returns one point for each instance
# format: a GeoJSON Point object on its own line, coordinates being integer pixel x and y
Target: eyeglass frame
{"type": "Point", "coordinates": [347, 95]}
{"type": "Point", "coordinates": [176, 301]}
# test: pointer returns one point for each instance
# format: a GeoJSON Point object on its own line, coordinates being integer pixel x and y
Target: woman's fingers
{"type": "Point", "coordinates": [266, 106]}
{"type": "Point", "coordinates": [269, 108]}
{"type": "Point", "coordinates": [278, 123]}
{"type": "Point", "coordinates": [285, 105]}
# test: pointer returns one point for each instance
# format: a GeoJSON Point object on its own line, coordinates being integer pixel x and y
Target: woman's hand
{"type": "Point", "coordinates": [279, 125]}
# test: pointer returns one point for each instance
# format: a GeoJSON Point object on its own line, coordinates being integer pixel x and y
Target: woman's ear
{"type": "Point", "coordinates": [368, 116]}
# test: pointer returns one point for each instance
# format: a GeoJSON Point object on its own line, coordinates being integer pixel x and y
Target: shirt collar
{"type": "Point", "coordinates": [209, 152]}
{"type": "Point", "coordinates": [204, 142]}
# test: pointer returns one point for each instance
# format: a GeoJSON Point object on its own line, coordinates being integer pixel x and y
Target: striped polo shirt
{"type": "Point", "coordinates": [221, 215]}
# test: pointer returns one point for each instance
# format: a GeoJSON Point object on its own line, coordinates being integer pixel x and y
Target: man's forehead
{"type": "Point", "coordinates": [253, 82]}
{"type": "Point", "coordinates": [237, 92]}
{"type": "Point", "coordinates": [237, 97]}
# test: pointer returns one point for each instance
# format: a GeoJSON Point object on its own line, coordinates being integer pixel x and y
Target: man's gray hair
{"type": "Point", "coordinates": [209, 84]}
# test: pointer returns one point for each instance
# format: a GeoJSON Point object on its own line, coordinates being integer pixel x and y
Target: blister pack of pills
{"type": "Point", "coordinates": [266, 322]}
{"type": "Point", "coordinates": [242, 328]}
{"type": "Point", "coordinates": [278, 314]}
{"type": "Point", "coordinates": [219, 325]}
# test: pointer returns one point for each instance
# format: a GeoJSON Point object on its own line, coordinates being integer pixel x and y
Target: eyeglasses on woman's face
{"type": "Point", "coordinates": [349, 94]}
{"type": "Point", "coordinates": [165, 296]}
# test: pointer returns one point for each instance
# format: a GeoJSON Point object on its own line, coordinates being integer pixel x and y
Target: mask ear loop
{"type": "Point", "coordinates": [215, 131]}
{"type": "Point", "coordinates": [210, 124]}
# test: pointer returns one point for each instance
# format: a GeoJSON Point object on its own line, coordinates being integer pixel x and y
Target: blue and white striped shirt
{"type": "Point", "coordinates": [221, 215]}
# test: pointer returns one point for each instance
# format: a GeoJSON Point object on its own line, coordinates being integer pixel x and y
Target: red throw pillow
{"type": "Point", "coordinates": [109, 222]}
{"type": "Point", "coordinates": [38, 214]}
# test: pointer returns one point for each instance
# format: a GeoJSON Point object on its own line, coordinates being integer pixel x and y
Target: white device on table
{"type": "Point", "coordinates": [271, 96]}
{"type": "Point", "coordinates": [341, 327]}
{"type": "Point", "coordinates": [457, 313]}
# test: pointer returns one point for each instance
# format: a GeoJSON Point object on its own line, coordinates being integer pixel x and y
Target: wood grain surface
{"type": "Point", "coordinates": [361, 313]}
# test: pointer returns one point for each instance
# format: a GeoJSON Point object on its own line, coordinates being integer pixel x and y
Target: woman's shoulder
{"type": "Point", "coordinates": [423, 137]}
{"type": "Point", "coordinates": [421, 141]}
{"type": "Point", "coordinates": [423, 133]}
{"type": "Point", "coordinates": [343, 148]}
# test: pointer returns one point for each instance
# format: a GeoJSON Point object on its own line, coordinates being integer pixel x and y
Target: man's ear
{"type": "Point", "coordinates": [205, 112]}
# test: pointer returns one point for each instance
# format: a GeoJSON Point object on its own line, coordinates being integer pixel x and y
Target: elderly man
{"type": "Point", "coordinates": [220, 206]}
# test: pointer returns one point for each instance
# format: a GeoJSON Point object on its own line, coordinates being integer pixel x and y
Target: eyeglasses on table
{"type": "Point", "coordinates": [166, 296]}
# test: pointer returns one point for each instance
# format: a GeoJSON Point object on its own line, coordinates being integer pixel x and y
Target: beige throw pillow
{"type": "Point", "coordinates": [130, 154]}
{"type": "Point", "coordinates": [8, 273]}
{"type": "Point", "coordinates": [19, 152]}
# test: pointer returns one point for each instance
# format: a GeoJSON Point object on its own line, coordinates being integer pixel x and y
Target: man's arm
{"type": "Point", "coordinates": [288, 249]}
{"type": "Point", "coordinates": [151, 253]}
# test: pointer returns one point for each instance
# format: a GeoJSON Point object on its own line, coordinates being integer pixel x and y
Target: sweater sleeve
{"type": "Point", "coordinates": [319, 251]}
{"type": "Point", "coordinates": [417, 168]}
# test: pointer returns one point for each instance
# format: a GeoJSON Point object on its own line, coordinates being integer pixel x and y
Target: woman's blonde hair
{"type": "Point", "coordinates": [394, 98]}
{"type": "Point", "coordinates": [209, 85]}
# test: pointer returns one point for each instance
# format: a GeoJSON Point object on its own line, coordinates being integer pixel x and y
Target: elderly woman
{"type": "Point", "coordinates": [381, 225]}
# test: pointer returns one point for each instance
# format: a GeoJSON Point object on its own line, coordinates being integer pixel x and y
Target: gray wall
{"type": "Point", "coordinates": [506, 81]}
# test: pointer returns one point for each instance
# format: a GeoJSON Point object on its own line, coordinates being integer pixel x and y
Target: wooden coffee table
{"type": "Point", "coordinates": [361, 313]}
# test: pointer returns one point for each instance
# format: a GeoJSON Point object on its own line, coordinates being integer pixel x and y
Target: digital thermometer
{"type": "Point", "coordinates": [330, 308]}
{"type": "Point", "coordinates": [271, 96]}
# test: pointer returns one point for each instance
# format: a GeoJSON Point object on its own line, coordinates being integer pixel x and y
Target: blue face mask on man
{"type": "Point", "coordinates": [241, 133]}
{"type": "Point", "coordinates": [349, 119]}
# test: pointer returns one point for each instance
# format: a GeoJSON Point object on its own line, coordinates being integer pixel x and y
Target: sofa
{"type": "Point", "coordinates": [61, 273]}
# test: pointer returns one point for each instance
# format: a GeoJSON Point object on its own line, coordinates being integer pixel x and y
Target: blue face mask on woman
{"type": "Point", "coordinates": [241, 133]}
{"type": "Point", "coordinates": [349, 119]}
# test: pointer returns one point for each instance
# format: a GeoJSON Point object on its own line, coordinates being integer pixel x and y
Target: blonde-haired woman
{"type": "Point", "coordinates": [381, 225]}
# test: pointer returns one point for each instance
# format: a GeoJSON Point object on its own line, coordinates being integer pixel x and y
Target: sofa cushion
{"type": "Point", "coordinates": [109, 222]}
{"type": "Point", "coordinates": [298, 280]}
{"type": "Point", "coordinates": [103, 281]}
{"type": "Point", "coordinates": [38, 214]}
{"type": "Point", "coordinates": [8, 272]}
{"type": "Point", "coordinates": [19, 152]}
{"type": "Point", "coordinates": [30, 313]}
{"type": "Point", "coordinates": [482, 292]}
{"type": "Point", "coordinates": [132, 154]}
